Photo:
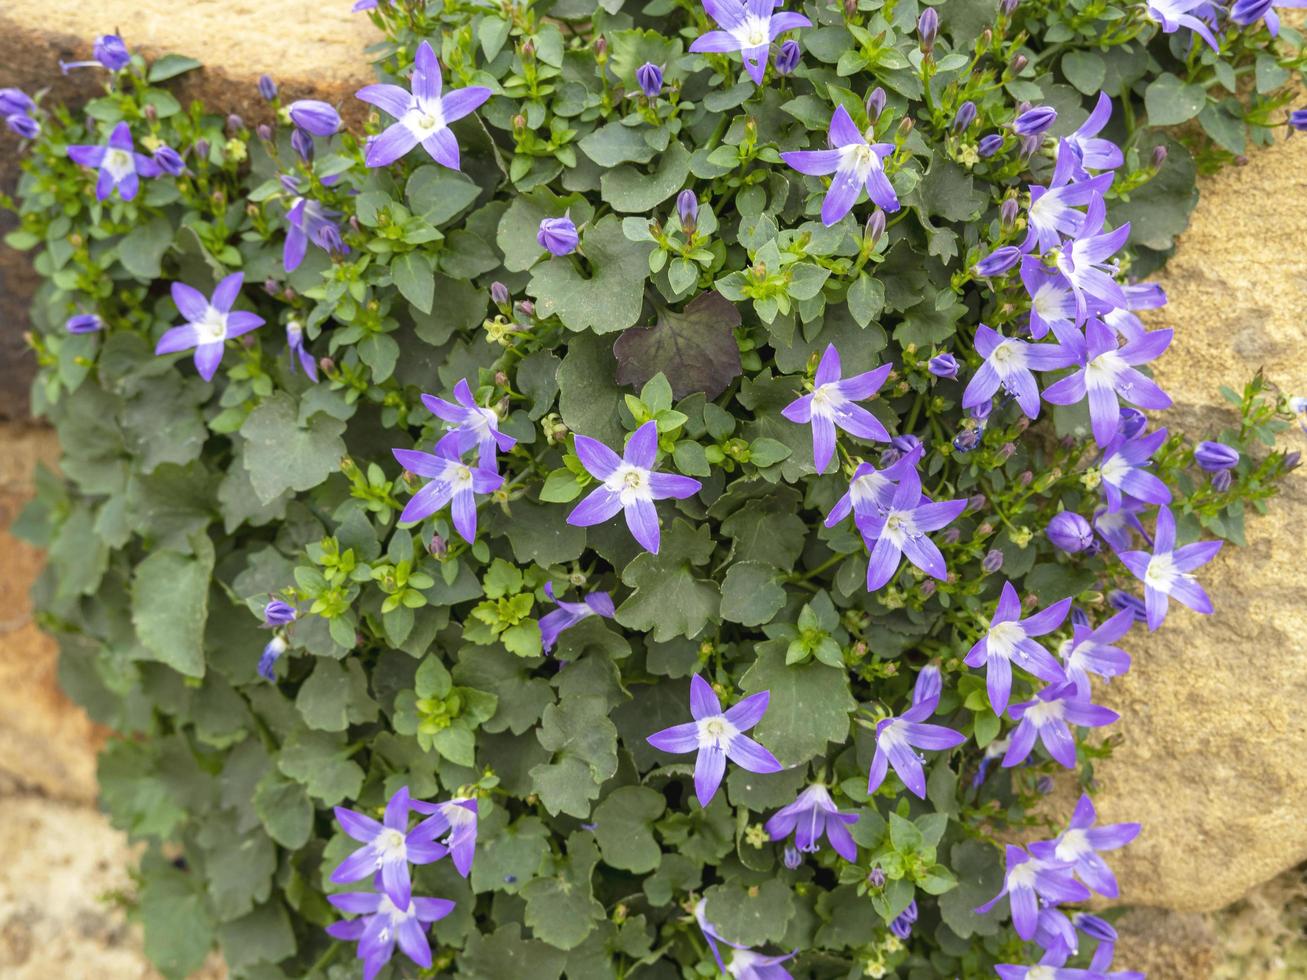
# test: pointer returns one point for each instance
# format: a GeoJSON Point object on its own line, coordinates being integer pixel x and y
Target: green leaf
{"type": "Point", "coordinates": [335, 696]}
{"type": "Point", "coordinates": [750, 914]}
{"type": "Point", "coordinates": [1171, 101]}
{"type": "Point", "coordinates": [694, 349]}
{"type": "Point", "coordinates": [281, 454]}
{"type": "Point", "coordinates": [436, 194]}
{"type": "Point", "coordinates": [537, 378]}
{"type": "Point", "coordinates": [561, 909]}
{"type": "Point", "coordinates": [866, 299]}
{"type": "Point", "coordinates": [178, 930]}
{"type": "Point", "coordinates": [607, 299]}
{"type": "Point", "coordinates": [1086, 70]}
{"type": "Point", "coordinates": [632, 191]}
{"type": "Point", "coordinates": [170, 606]}
{"type": "Point", "coordinates": [669, 600]}
{"type": "Point", "coordinates": [170, 66]}
{"type": "Point", "coordinates": [238, 865]}
{"type": "Point", "coordinates": [284, 809]}
{"type": "Point", "coordinates": [320, 762]}
{"type": "Point", "coordinates": [589, 400]}
{"type": "Point", "coordinates": [1160, 210]}
{"type": "Point", "coordinates": [979, 872]}
{"type": "Point", "coordinates": [810, 704]}
{"type": "Point", "coordinates": [141, 251]}
{"type": "Point", "coordinates": [414, 276]}
{"type": "Point", "coordinates": [751, 593]}
{"type": "Point", "coordinates": [624, 828]}
{"type": "Point", "coordinates": [504, 953]}
{"type": "Point", "coordinates": [583, 741]}
{"type": "Point", "coordinates": [262, 936]}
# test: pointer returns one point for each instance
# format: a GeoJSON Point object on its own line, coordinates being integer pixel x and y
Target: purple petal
{"type": "Point", "coordinates": [642, 520]}
{"type": "Point", "coordinates": [709, 768]}
{"type": "Point", "coordinates": [642, 448]}
{"type": "Point", "coordinates": [703, 699]}
{"type": "Point", "coordinates": [748, 754]}
{"type": "Point", "coordinates": [749, 711]}
{"type": "Point", "coordinates": [599, 461]}
{"type": "Point", "coordinates": [677, 740]}
{"type": "Point", "coordinates": [601, 505]}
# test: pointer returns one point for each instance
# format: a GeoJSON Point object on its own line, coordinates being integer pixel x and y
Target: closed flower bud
{"type": "Point", "coordinates": [928, 28]}
{"type": "Point", "coordinates": [943, 366]}
{"type": "Point", "coordinates": [326, 365]}
{"type": "Point", "coordinates": [992, 561]}
{"type": "Point", "coordinates": [558, 235]}
{"type": "Point", "coordinates": [84, 323]}
{"type": "Point", "coordinates": [906, 125]}
{"type": "Point", "coordinates": [965, 116]}
{"type": "Point", "coordinates": [875, 103]}
{"type": "Point", "coordinates": [1132, 422]}
{"type": "Point", "coordinates": [264, 132]}
{"type": "Point", "coordinates": [951, 536]}
{"type": "Point", "coordinates": [874, 228]}
{"type": "Point", "coordinates": [315, 117]}
{"type": "Point", "coordinates": [327, 237]}
{"type": "Point", "coordinates": [1005, 451]}
{"type": "Point", "coordinates": [876, 878]}
{"type": "Point", "coordinates": [498, 293]}
{"type": "Point", "coordinates": [1216, 456]}
{"type": "Point", "coordinates": [1069, 532]}
{"type": "Point", "coordinates": [792, 858]}
{"type": "Point", "coordinates": [687, 209]}
{"type": "Point", "coordinates": [976, 502]}
{"type": "Point", "coordinates": [169, 160]}
{"type": "Point", "coordinates": [1221, 481]}
{"type": "Point", "coordinates": [1007, 212]}
{"type": "Point", "coordinates": [150, 113]}
{"type": "Point", "coordinates": [966, 440]}
{"type": "Point", "coordinates": [110, 51]}
{"type": "Point", "coordinates": [1123, 601]}
{"type": "Point", "coordinates": [234, 124]}
{"type": "Point", "coordinates": [905, 443]}
{"type": "Point", "coordinates": [1298, 120]}
{"type": "Point", "coordinates": [1025, 478]}
{"type": "Point", "coordinates": [15, 101]}
{"type": "Point", "coordinates": [302, 143]}
{"type": "Point", "coordinates": [1035, 121]}
{"type": "Point", "coordinates": [998, 261]}
{"type": "Point", "coordinates": [279, 613]}
{"type": "Point", "coordinates": [1008, 7]}
{"type": "Point", "coordinates": [787, 58]}
{"type": "Point", "coordinates": [526, 308]}
{"type": "Point", "coordinates": [1018, 64]}
{"type": "Point", "coordinates": [1159, 157]}
{"type": "Point", "coordinates": [438, 547]}
{"type": "Point", "coordinates": [989, 145]}
{"type": "Point", "coordinates": [22, 125]}
{"type": "Point", "coordinates": [650, 79]}
{"type": "Point", "coordinates": [267, 87]}
{"type": "Point", "coordinates": [601, 47]}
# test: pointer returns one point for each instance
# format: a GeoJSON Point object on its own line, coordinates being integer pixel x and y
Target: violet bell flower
{"type": "Point", "coordinates": [315, 117]}
{"type": "Point", "coordinates": [1083, 261]}
{"type": "Point", "coordinates": [1122, 472]}
{"type": "Point", "coordinates": [1034, 121]}
{"type": "Point", "coordinates": [748, 28]}
{"type": "Point", "coordinates": [108, 51]}
{"type": "Point", "coordinates": [1009, 640]}
{"type": "Point", "coordinates": [451, 482]}
{"type": "Point", "coordinates": [84, 323]}
{"type": "Point", "coordinates": [1092, 651]}
{"type": "Point", "coordinates": [295, 343]}
{"type": "Point", "coordinates": [1053, 212]}
{"type": "Point", "coordinates": [1069, 532]}
{"type": "Point", "coordinates": [16, 101]}
{"type": "Point", "coordinates": [120, 166]}
{"type": "Point", "coordinates": [382, 924]}
{"type": "Point", "coordinates": [1008, 365]}
{"type": "Point", "coordinates": [389, 848]}
{"type": "Point", "coordinates": [901, 529]}
{"type": "Point", "coordinates": [1175, 14]}
{"type": "Point", "coordinates": [898, 737]}
{"type": "Point", "coordinates": [209, 323]}
{"type": "Point", "coordinates": [1026, 881]}
{"type": "Point", "coordinates": [1080, 843]}
{"type": "Point", "coordinates": [1213, 457]}
{"type": "Point", "coordinates": [812, 814]}
{"type": "Point", "coordinates": [1046, 718]}
{"type": "Point", "coordinates": [1052, 301]}
{"type": "Point", "coordinates": [629, 484]}
{"type": "Point", "coordinates": [831, 404]}
{"type": "Point", "coordinates": [716, 736]}
{"type": "Point", "coordinates": [272, 651]}
{"type": "Point", "coordinates": [1167, 572]}
{"type": "Point", "coordinates": [1090, 151]}
{"type": "Point", "coordinates": [453, 824]}
{"type": "Point", "coordinates": [422, 115]}
{"type": "Point", "coordinates": [558, 236]}
{"type": "Point", "coordinates": [470, 425]}
{"type": "Point", "coordinates": [943, 366]}
{"type": "Point", "coordinates": [855, 163]}
{"type": "Point", "coordinates": [650, 79]}
{"type": "Point", "coordinates": [787, 58]}
{"type": "Point", "coordinates": [23, 125]}
{"type": "Point", "coordinates": [872, 490]}
{"type": "Point", "coordinates": [568, 614]}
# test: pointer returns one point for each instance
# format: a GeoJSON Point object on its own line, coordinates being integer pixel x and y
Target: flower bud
{"type": "Point", "coordinates": [992, 561]}
{"type": "Point", "coordinates": [1221, 481]}
{"type": "Point", "coordinates": [169, 160]}
{"type": "Point", "coordinates": [84, 323]}
{"type": "Point", "coordinates": [989, 145]}
{"type": "Point", "coordinates": [558, 236]}
{"type": "Point", "coordinates": [1159, 157]}
{"type": "Point", "coordinates": [965, 116]}
{"type": "Point", "coordinates": [316, 117]}
{"type": "Point", "coordinates": [943, 366]}
{"type": "Point", "coordinates": [1069, 532]}
{"type": "Point", "coordinates": [1008, 7]}
{"type": "Point", "coordinates": [1298, 120]}
{"type": "Point", "coordinates": [687, 209]}
{"type": "Point", "coordinates": [15, 101]}
{"type": "Point", "coordinates": [234, 124]}
{"type": "Point", "coordinates": [1018, 64]}
{"type": "Point", "coordinates": [928, 29]}
{"type": "Point", "coordinates": [1035, 121]}
{"type": "Point", "coordinates": [302, 143]}
{"type": "Point", "coordinates": [997, 262]}
{"type": "Point", "coordinates": [110, 51]}
{"type": "Point", "coordinates": [787, 58]}
{"type": "Point", "coordinates": [498, 293]}
{"type": "Point", "coordinates": [874, 228]}
{"type": "Point", "coordinates": [264, 132]}
{"type": "Point", "coordinates": [876, 878]}
{"type": "Point", "coordinates": [23, 125]}
{"type": "Point", "coordinates": [875, 103]}
{"type": "Point", "coordinates": [526, 308]}
{"type": "Point", "coordinates": [1216, 456]}
{"type": "Point", "coordinates": [1007, 212]}
{"type": "Point", "coordinates": [905, 443]}
{"type": "Point", "coordinates": [792, 858]}
{"type": "Point", "coordinates": [438, 547]}
{"type": "Point", "coordinates": [650, 79]}
{"type": "Point", "coordinates": [601, 47]}
{"type": "Point", "coordinates": [906, 125]}
{"type": "Point", "coordinates": [151, 113]}
{"type": "Point", "coordinates": [267, 87]}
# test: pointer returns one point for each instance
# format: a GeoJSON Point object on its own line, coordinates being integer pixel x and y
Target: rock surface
{"type": "Point", "coordinates": [1212, 714]}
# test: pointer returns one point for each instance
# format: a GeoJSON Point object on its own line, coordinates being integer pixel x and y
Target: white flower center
{"type": "Point", "coordinates": [1161, 572]}
{"type": "Point", "coordinates": [119, 163]}
{"type": "Point", "coordinates": [1004, 637]}
{"type": "Point", "coordinates": [716, 731]}
{"type": "Point", "coordinates": [864, 489]}
{"type": "Point", "coordinates": [899, 525]}
{"type": "Point", "coordinates": [1114, 468]}
{"type": "Point", "coordinates": [1022, 876]}
{"type": "Point", "coordinates": [1104, 369]}
{"type": "Point", "coordinates": [423, 120]}
{"type": "Point", "coordinates": [1042, 712]}
{"type": "Point", "coordinates": [212, 327]}
{"type": "Point", "coordinates": [825, 399]}
{"type": "Point", "coordinates": [754, 32]}
{"type": "Point", "coordinates": [1041, 973]}
{"type": "Point", "coordinates": [390, 846]}
{"type": "Point", "coordinates": [1072, 845]}
{"type": "Point", "coordinates": [858, 157]}
{"type": "Point", "coordinates": [461, 475]}
{"type": "Point", "coordinates": [630, 482]}
{"type": "Point", "coordinates": [1050, 302]}
{"type": "Point", "coordinates": [1007, 356]}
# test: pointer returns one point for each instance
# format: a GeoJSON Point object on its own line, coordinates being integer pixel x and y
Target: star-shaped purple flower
{"type": "Point", "coordinates": [472, 425]}
{"type": "Point", "coordinates": [812, 814]}
{"type": "Point", "coordinates": [896, 738]}
{"type": "Point", "coordinates": [456, 822]}
{"type": "Point", "coordinates": [1089, 151]}
{"type": "Point", "coordinates": [295, 342]}
{"type": "Point", "coordinates": [1048, 717]}
{"type": "Point", "coordinates": [831, 404]}
{"type": "Point", "coordinates": [209, 323]}
{"type": "Point", "coordinates": [749, 28]}
{"type": "Point", "coordinates": [1091, 651]}
{"type": "Point", "coordinates": [629, 484]}
{"type": "Point", "coordinates": [1174, 14]}
{"type": "Point", "coordinates": [120, 166]}
{"type": "Point", "coordinates": [1166, 573]}
{"type": "Point", "coordinates": [568, 614]}
{"type": "Point", "coordinates": [1107, 376]}
{"type": "Point", "coordinates": [1080, 843]}
{"type": "Point", "coordinates": [1083, 261]}
{"type": "Point", "coordinates": [1009, 640]}
{"type": "Point", "coordinates": [422, 116]}
{"type": "Point", "coordinates": [306, 221]}
{"type": "Point", "coordinates": [1026, 881]}
{"type": "Point", "coordinates": [389, 848]}
{"type": "Point", "coordinates": [854, 162]}
{"type": "Point", "coordinates": [1008, 365]}
{"type": "Point", "coordinates": [451, 482]}
{"type": "Point", "coordinates": [1054, 210]}
{"type": "Point", "coordinates": [717, 735]}
{"type": "Point", "coordinates": [872, 490]}
{"type": "Point", "coordinates": [901, 528]}
{"type": "Point", "coordinates": [1122, 471]}
{"type": "Point", "coordinates": [382, 923]}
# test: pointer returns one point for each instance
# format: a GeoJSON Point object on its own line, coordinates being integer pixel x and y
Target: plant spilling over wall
{"type": "Point", "coordinates": [683, 467]}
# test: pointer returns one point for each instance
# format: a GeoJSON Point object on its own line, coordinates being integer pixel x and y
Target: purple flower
{"type": "Point", "coordinates": [472, 425]}
{"type": "Point", "coordinates": [1091, 152]}
{"type": "Point", "coordinates": [1166, 573]}
{"type": "Point", "coordinates": [1069, 532]}
{"type": "Point", "coordinates": [568, 614]}
{"type": "Point", "coordinates": [272, 652]}
{"type": "Point", "coordinates": [872, 490]}
{"type": "Point", "coordinates": [422, 116]}
{"type": "Point", "coordinates": [928, 28]}
{"type": "Point", "coordinates": [629, 484]}
{"type": "Point", "coordinates": [456, 822]}
{"type": "Point", "coordinates": [903, 922]}
{"type": "Point", "coordinates": [965, 116]}
{"type": "Point", "coordinates": [1008, 364]}
{"type": "Point", "coordinates": [1053, 211]}
{"type": "Point", "coordinates": [831, 405]}
{"type": "Point", "coordinates": [901, 529]}
{"type": "Point", "coordinates": [998, 261]}
{"type": "Point", "coordinates": [1054, 931]}
{"type": "Point", "coordinates": [23, 125]}
{"type": "Point", "coordinates": [110, 51]}
{"type": "Point", "coordinates": [1027, 880]}
{"type": "Point", "coordinates": [1034, 122]}
{"type": "Point", "coordinates": [1215, 456]}
{"type": "Point", "coordinates": [314, 116]}
{"type": "Point", "coordinates": [1092, 652]}
{"type": "Point", "coordinates": [209, 323]}
{"type": "Point", "coordinates": [650, 79]}
{"type": "Point", "coordinates": [278, 612]}
{"type": "Point", "coordinates": [787, 58]}
{"type": "Point", "coordinates": [1009, 640]}
{"type": "Point", "coordinates": [306, 220]}
{"type": "Point", "coordinates": [1052, 302]}
{"type": "Point", "coordinates": [1174, 14]}
{"type": "Point", "coordinates": [813, 813]}
{"type": "Point", "coordinates": [897, 737]}
{"type": "Point", "coordinates": [1080, 843]}
{"type": "Point", "coordinates": [1107, 373]}
{"type": "Point", "coordinates": [1133, 422]}
{"type": "Point", "coordinates": [1117, 527]}
{"type": "Point", "coordinates": [389, 848]}
{"type": "Point", "coordinates": [989, 145]}
{"type": "Point", "coordinates": [748, 28]}
{"type": "Point", "coordinates": [1122, 470]}
{"type": "Point", "coordinates": [383, 923]}
{"type": "Point", "coordinates": [943, 366]}
{"type": "Point", "coordinates": [716, 736]}
{"type": "Point", "coordinates": [1126, 602]}
{"type": "Point", "coordinates": [119, 164]}
{"type": "Point", "coordinates": [854, 162]}
{"type": "Point", "coordinates": [295, 341]}
{"type": "Point", "coordinates": [1046, 716]}
{"type": "Point", "coordinates": [1083, 260]}
{"type": "Point", "coordinates": [1046, 970]}
{"type": "Point", "coordinates": [169, 161]}
{"type": "Point", "coordinates": [558, 236]}
{"type": "Point", "coordinates": [267, 88]}
{"type": "Point", "coordinates": [1298, 120]}
{"type": "Point", "coordinates": [84, 323]}
{"type": "Point", "coordinates": [15, 101]}
{"type": "Point", "coordinates": [745, 963]}
{"type": "Point", "coordinates": [451, 482]}
{"type": "Point", "coordinates": [302, 143]}
{"type": "Point", "coordinates": [687, 210]}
